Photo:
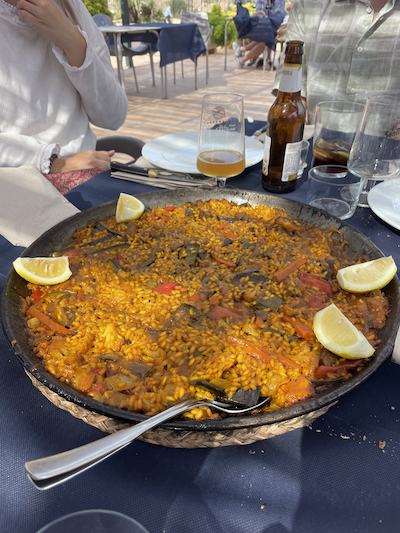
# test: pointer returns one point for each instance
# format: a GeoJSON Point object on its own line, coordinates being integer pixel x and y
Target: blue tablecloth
{"type": "Point", "coordinates": [260, 29]}
{"type": "Point", "coordinates": [176, 42]}
{"type": "Point", "coordinates": [339, 476]}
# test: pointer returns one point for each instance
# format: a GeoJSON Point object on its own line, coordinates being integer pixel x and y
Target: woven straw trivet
{"type": "Point", "coordinates": [183, 439]}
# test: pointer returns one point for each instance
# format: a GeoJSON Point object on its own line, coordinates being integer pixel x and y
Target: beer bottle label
{"type": "Point", "coordinates": [267, 151]}
{"type": "Point", "coordinates": [290, 79]}
{"type": "Point", "coordinates": [291, 161]}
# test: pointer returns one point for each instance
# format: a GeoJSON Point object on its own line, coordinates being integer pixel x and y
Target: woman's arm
{"type": "Point", "coordinates": [17, 149]}
{"type": "Point", "coordinates": [103, 98]}
{"type": "Point", "coordinates": [48, 19]}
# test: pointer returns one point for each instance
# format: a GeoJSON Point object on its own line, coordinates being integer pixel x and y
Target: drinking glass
{"type": "Point", "coordinates": [221, 145]}
{"type": "Point", "coordinates": [335, 128]}
{"type": "Point", "coordinates": [334, 189]}
{"type": "Point", "coordinates": [375, 153]}
{"type": "Point", "coordinates": [303, 158]}
{"type": "Point", "coordinates": [94, 521]}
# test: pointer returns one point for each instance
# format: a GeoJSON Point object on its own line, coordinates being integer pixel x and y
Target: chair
{"type": "Point", "coordinates": [127, 50]}
{"type": "Point", "coordinates": [258, 27]}
{"type": "Point", "coordinates": [201, 19]}
{"type": "Point", "coordinates": [280, 39]}
{"type": "Point", "coordinates": [121, 143]}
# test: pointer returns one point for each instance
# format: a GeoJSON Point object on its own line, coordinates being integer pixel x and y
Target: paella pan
{"type": "Point", "coordinates": [249, 426]}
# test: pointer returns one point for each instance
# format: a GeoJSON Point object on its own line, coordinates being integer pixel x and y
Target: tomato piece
{"type": "Point", "coordinates": [219, 312]}
{"type": "Point", "coordinates": [98, 388]}
{"type": "Point", "coordinates": [167, 288]}
{"type": "Point", "coordinates": [36, 295]}
{"type": "Point", "coordinates": [214, 299]}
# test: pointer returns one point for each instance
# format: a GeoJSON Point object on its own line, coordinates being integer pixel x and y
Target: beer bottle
{"type": "Point", "coordinates": [285, 126]}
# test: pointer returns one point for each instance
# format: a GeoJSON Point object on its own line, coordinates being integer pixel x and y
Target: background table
{"type": "Point", "coordinates": [339, 476]}
{"type": "Point", "coordinates": [175, 42]}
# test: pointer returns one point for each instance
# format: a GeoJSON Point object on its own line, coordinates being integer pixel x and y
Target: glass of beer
{"type": "Point", "coordinates": [221, 144]}
{"type": "Point", "coordinates": [334, 132]}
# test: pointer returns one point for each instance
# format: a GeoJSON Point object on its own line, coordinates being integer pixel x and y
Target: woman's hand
{"type": "Point", "coordinates": [83, 160]}
{"type": "Point", "coordinates": [48, 19]}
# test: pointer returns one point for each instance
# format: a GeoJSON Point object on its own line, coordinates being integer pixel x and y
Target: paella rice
{"type": "Point", "coordinates": [201, 300]}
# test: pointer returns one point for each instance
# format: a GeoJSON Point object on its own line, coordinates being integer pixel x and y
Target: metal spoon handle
{"type": "Point", "coordinates": [55, 469]}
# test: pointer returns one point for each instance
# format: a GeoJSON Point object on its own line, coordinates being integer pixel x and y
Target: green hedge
{"type": "Point", "coordinates": [97, 6]}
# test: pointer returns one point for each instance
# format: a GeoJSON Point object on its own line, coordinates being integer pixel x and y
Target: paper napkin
{"type": "Point", "coordinates": [29, 205]}
{"type": "Point", "coordinates": [396, 350]}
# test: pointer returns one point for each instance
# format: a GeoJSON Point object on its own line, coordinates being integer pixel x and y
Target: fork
{"type": "Point", "coordinates": [48, 472]}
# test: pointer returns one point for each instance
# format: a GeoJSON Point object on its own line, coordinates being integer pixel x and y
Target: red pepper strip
{"type": "Point", "coordinates": [170, 208]}
{"type": "Point", "coordinates": [315, 281]}
{"type": "Point", "coordinates": [224, 261]}
{"type": "Point", "coordinates": [263, 353]}
{"type": "Point", "coordinates": [318, 302]}
{"type": "Point", "coordinates": [75, 252]}
{"type": "Point", "coordinates": [323, 370]}
{"type": "Point", "coordinates": [36, 295]}
{"type": "Point", "coordinates": [300, 328]}
{"type": "Point", "coordinates": [167, 288]}
{"type": "Point", "coordinates": [289, 269]}
{"type": "Point", "coordinates": [222, 226]}
{"type": "Point", "coordinates": [49, 323]}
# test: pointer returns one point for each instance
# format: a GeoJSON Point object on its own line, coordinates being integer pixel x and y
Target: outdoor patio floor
{"type": "Point", "coordinates": [149, 116]}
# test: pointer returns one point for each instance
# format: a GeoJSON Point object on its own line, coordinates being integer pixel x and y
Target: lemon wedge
{"type": "Point", "coordinates": [128, 208]}
{"type": "Point", "coordinates": [337, 334]}
{"type": "Point", "coordinates": [367, 276]}
{"type": "Point", "coordinates": [43, 270]}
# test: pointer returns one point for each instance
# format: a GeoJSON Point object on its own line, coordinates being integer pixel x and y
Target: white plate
{"type": "Point", "coordinates": [178, 152]}
{"type": "Point", "coordinates": [384, 200]}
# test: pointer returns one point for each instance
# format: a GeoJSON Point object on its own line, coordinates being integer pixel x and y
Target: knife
{"type": "Point", "coordinates": [155, 172]}
{"type": "Point", "coordinates": [259, 132]}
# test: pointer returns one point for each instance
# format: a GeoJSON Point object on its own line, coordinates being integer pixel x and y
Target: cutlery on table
{"type": "Point", "coordinates": [51, 471]}
{"type": "Point", "coordinates": [159, 177]}
{"type": "Point", "coordinates": [259, 132]}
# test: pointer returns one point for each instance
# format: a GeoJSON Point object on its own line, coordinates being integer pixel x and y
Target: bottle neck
{"type": "Point", "coordinates": [290, 78]}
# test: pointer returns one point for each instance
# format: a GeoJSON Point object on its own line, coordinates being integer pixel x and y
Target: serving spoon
{"type": "Point", "coordinates": [50, 471]}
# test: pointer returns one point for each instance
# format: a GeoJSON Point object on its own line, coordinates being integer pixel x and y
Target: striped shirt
{"type": "Point", "coordinates": [347, 54]}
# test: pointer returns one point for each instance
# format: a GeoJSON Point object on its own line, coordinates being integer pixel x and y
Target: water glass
{"type": "Point", "coordinates": [375, 153]}
{"type": "Point", "coordinates": [94, 521]}
{"type": "Point", "coordinates": [221, 145]}
{"type": "Point", "coordinates": [334, 131]}
{"type": "Point", "coordinates": [334, 189]}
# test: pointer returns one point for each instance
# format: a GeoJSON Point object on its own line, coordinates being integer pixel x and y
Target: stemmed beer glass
{"type": "Point", "coordinates": [375, 153]}
{"type": "Point", "coordinates": [221, 145]}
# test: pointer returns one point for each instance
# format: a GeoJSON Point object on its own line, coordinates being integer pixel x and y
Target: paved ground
{"type": "Point", "coordinates": [150, 117]}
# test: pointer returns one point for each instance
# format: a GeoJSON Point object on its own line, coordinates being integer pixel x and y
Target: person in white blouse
{"type": "Point", "coordinates": [56, 78]}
